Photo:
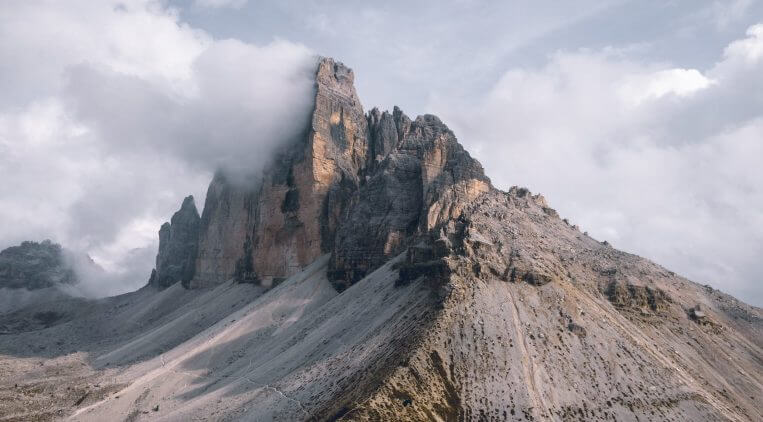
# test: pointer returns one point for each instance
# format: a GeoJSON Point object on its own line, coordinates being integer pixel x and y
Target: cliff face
{"type": "Point", "coordinates": [224, 226]}
{"type": "Point", "coordinates": [362, 187]}
{"type": "Point", "coordinates": [420, 177]}
{"type": "Point", "coordinates": [178, 243]}
{"type": "Point", "coordinates": [359, 186]}
{"type": "Point", "coordinates": [288, 216]}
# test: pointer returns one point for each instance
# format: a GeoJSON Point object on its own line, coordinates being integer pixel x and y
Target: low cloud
{"type": "Point", "coordinates": [115, 111]}
{"type": "Point", "coordinates": [241, 101]}
{"type": "Point", "coordinates": [659, 160]}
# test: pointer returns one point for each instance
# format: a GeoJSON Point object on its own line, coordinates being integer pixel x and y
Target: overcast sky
{"type": "Point", "coordinates": [641, 121]}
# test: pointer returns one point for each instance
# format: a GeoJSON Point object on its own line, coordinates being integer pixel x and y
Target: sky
{"type": "Point", "coordinates": [640, 121]}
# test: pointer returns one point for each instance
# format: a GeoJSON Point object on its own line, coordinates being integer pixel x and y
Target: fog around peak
{"type": "Point", "coordinates": [107, 126]}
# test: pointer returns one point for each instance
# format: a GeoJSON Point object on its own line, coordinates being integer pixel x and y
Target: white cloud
{"type": "Point", "coordinates": [749, 49]}
{"type": "Point", "coordinates": [679, 82]}
{"type": "Point", "coordinates": [116, 110]}
{"type": "Point", "coordinates": [38, 39]}
{"type": "Point", "coordinates": [659, 160]}
{"type": "Point", "coordinates": [216, 4]}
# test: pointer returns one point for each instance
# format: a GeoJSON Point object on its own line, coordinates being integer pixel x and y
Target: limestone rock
{"type": "Point", "coordinates": [289, 214]}
{"type": "Point", "coordinates": [627, 296]}
{"type": "Point", "coordinates": [425, 179]}
{"type": "Point", "coordinates": [178, 244]}
{"type": "Point", "coordinates": [224, 227]}
{"type": "Point", "coordinates": [700, 315]}
{"type": "Point", "coordinates": [362, 187]}
{"type": "Point", "coordinates": [33, 265]}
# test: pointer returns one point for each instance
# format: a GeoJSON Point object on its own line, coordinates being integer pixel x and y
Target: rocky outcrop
{"type": "Point", "coordinates": [424, 179]}
{"type": "Point", "coordinates": [538, 321]}
{"type": "Point", "coordinates": [225, 224]}
{"type": "Point", "coordinates": [288, 215]}
{"type": "Point", "coordinates": [178, 244]}
{"type": "Point", "coordinates": [33, 265]}
{"type": "Point", "coordinates": [362, 187]}
{"type": "Point", "coordinates": [642, 299]}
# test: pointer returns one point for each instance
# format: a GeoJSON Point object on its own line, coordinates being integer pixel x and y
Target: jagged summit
{"type": "Point", "coordinates": [421, 177]}
{"type": "Point", "coordinates": [359, 186]}
{"type": "Point", "coordinates": [178, 245]}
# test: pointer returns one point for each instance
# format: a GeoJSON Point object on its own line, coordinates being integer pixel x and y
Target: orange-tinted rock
{"type": "Point", "coordinates": [361, 187]}
{"type": "Point", "coordinates": [289, 215]}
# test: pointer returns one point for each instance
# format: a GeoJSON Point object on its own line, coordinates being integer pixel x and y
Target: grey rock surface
{"type": "Point", "coordinates": [35, 265]}
{"type": "Point", "coordinates": [178, 245]}
{"type": "Point", "coordinates": [538, 321]}
{"type": "Point", "coordinates": [361, 186]}
{"type": "Point", "coordinates": [424, 178]}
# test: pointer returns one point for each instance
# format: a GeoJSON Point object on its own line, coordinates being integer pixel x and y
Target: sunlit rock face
{"type": "Point", "coordinates": [286, 217]}
{"type": "Point", "coordinates": [360, 186]}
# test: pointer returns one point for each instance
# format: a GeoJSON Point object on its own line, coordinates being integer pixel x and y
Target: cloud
{"type": "Point", "coordinates": [115, 111]}
{"type": "Point", "coordinates": [750, 49]}
{"type": "Point", "coordinates": [216, 4]}
{"type": "Point", "coordinates": [244, 101]}
{"type": "Point", "coordinates": [650, 86]}
{"type": "Point", "coordinates": [659, 160]}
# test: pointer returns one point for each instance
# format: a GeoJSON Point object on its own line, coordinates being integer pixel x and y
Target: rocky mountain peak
{"type": "Point", "coordinates": [359, 186]}
{"type": "Point", "coordinates": [35, 265]}
{"type": "Point", "coordinates": [334, 75]}
{"type": "Point", "coordinates": [412, 289]}
{"type": "Point", "coordinates": [421, 177]}
{"type": "Point", "coordinates": [178, 245]}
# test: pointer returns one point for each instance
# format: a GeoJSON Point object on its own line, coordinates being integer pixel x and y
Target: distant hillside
{"type": "Point", "coordinates": [35, 265]}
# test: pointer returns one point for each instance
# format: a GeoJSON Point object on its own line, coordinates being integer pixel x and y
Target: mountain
{"type": "Point", "coordinates": [178, 245]}
{"type": "Point", "coordinates": [361, 187]}
{"type": "Point", "coordinates": [372, 272]}
{"type": "Point", "coordinates": [35, 265]}
{"type": "Point", "coordinates": [36, 276]}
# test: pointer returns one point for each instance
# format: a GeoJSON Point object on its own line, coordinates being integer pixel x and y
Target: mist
{"type": "Point", "coordinates": [109, 125]}
{"type": "Point", "coordinates": [240, 102]}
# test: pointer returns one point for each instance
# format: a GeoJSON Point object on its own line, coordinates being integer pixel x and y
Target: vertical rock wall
{"type": "Point", "coordinates": [178, 244]}
{"type": "Point", "coordinates": [289, 216]}
{"type": "Point", "coordinates": [362, 187]}
{"type": "Point", "coordinates": [225, 225]}
{"type": "Point", "coordinates": [421, 177]}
